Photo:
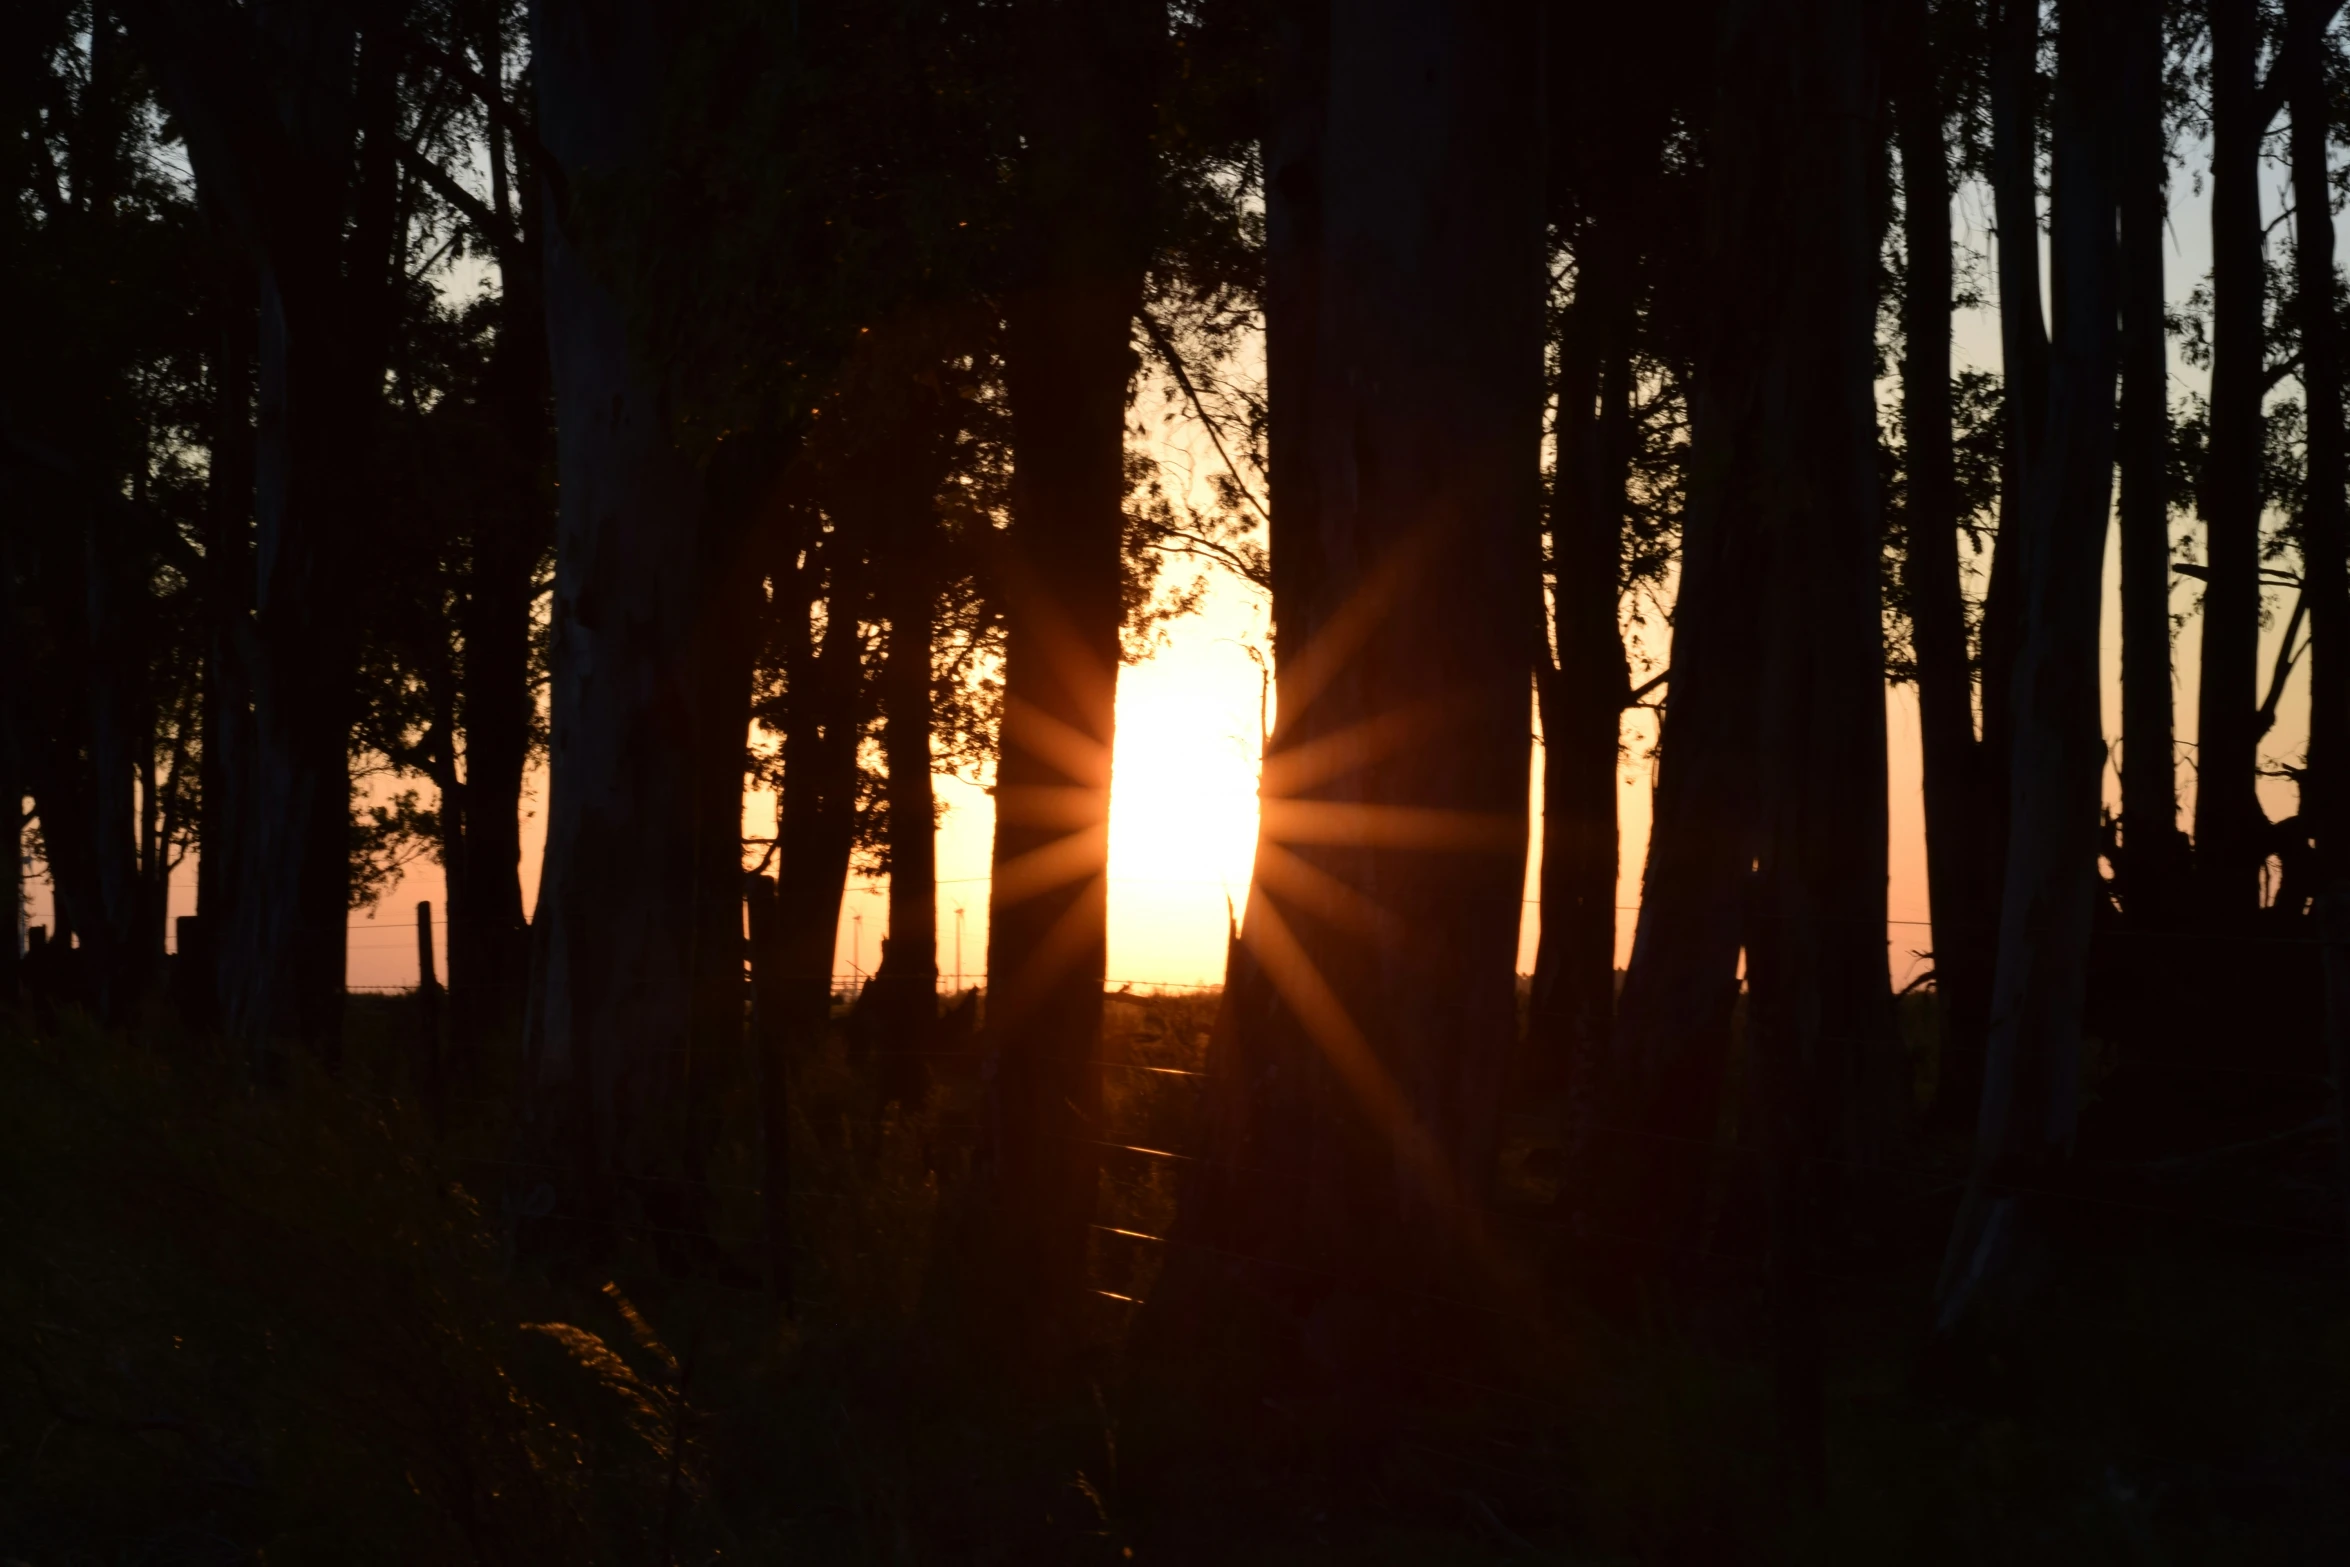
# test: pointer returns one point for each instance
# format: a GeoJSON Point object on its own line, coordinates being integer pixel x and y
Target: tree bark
{"type": "Point", "coordinates": [609, 1087]}
{"type": "Point", "coordinates": [1794, 157]}
{"type": "Point", "coordinates": [2032, 1066]}
{"type": "Point", "coordinates": [2023, 346]}
{"type": "Point", "coordinates": [1603, 161]}
{"type": "Point", "coordinates": [226, 724]}
{"type": "Point", "coordinates": [824, 723]}
{"type": "Point", "coordinates": [1355, 1075]}
{"type": "Point", "coordinates": [2325, 528]}
{"type": "Point", "coordinates": [309, 178]}
{"type": "Point", "coordinates": [1068, 362]}
{"type": "Point", "coordinates": [2228, 818]}
{"type": "Point", "coordinates": [909, 967]}
{"type": "Point", "coordinates": [1958, 850]}
{"type": "Point", "coordinates": [2154, 854]}
{"type": "Point", "coordinates": [489, 935]}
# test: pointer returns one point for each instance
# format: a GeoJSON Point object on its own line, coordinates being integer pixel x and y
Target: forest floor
{"type": "Point", "coordinates": [289, 1328]}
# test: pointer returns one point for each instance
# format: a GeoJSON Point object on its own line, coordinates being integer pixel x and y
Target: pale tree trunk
{"type": "Point", "coordinates": [2031, 1077]}
{"type": "Point", "coordinates": [609, 1085]}
{"type": "Point", "coordinates": [1068, 361]}
{"type": "Point", "coordinates": [2228, 818]}
{"type": "Point", "coordinates": [1958, 849]}
{"type": "Point", "coordinates": [2154, 855]}
{"type": "Point", "coordinates": [1355, 1076]}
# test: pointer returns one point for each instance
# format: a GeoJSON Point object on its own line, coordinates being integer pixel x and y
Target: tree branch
{"type": "Point", "coordinates": [1174, 363]}
{"type": "Point", "coordinates": [504, 240]}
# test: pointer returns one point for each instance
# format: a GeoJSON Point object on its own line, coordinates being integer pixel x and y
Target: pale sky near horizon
{"type": "Point", "coordinates": [1184, 770]}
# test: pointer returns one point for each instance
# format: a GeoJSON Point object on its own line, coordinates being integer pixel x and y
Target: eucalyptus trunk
{"type": "Point", "coordinates": [489, 933]}
{"type": "Point", "coordinates": [1068, 360]}
{"type": "Point", "coordinates": [1603, 160]}
{"type": "Point", "coordinates": [2015, 93]}
{"type": "Point", "coordinates": [1959, 880]}
{"type": "Point", "coordinates": [908, 976]}
{"type": "Point", "coordinates": [609, 1082]}
{"type": "Point", "coordinates": [1355, 1076]}
{"type": "Point", "coordinates": [2325, 530]}
{"type": "Point", "coordinates": [2154, 855]}
{"type": "Point", "coordinates": [2228, 818]}
{"type": "Point", "coordinates": [2031, 1082]}
{"type": "Point", "coordinates": [312, 186]}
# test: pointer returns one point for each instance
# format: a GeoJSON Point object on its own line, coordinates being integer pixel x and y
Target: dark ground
{"type": "Point", "coordinates": [289, 1329]}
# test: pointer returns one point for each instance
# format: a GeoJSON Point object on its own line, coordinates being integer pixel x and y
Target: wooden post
{"type": "Point", "coordinates": [194, 966]}
{"type": "Point", "coordinates": [428, 1017]}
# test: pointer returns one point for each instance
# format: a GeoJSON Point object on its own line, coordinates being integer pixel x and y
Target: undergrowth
{"type": "Point", "coordinates": [289, 1327]}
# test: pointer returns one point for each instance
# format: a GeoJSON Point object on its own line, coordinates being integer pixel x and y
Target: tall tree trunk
{"type": "Point", "coordinates": [1582, 698]}
{"type": "Point", "coordinates": [795, 919]}
{"type": "Point", "coordinates": [738, 533]}
{"type": "Point", "coordinates": [909, 965]}
{"type": "Point", "coordinates": [1603, 162]}
{"type": "Point", "coordinates": [1794, 158]}
{"type": "Point", "coordinates": [2023, 350]}
{"type": "Point", "coordinates": [2228, 818]}
{"type": "Point", "coordinates": [488, 929]}
{"type": "Point", "coordinates": [2325, 529]}
{"type": "Point", "coordinates": [2154, 861]}
{"type": "Point", "coordinates": [609, 1086]}
{"type": "Point", "coordinates": [1673, 1020]}
{"type": "Point", "coordinates": [1355, 1077]}
{"type": "Point", "coordinates": [1068, 361]}
{"type": "Point", "coordinates": [15, 739]}
{"type": "Point", "coordinates": [2032, 1066]}
{"type": "Point", "coordinates": [226, 722]}
{"type": "Point", "coordinates": [1959, 883]}
{"type": "Point", "coordinates": [309, 175]}
{"type": "Point", "coordinates": [111, 931]}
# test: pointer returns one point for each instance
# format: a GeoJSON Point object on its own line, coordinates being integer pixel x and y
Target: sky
{"type": "Point", "coordinates": [1182, 819]}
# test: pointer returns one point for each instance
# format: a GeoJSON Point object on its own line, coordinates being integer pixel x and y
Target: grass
{"type": "Point", "coordinates": [288, 1328]}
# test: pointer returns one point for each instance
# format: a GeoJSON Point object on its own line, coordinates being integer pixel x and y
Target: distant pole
{"type": "Point", "coordinates": [427, 980]}
{"type": "Point", "coordinates": [857, 949]}
{"type": "Point", "coordinates": [958, 949]}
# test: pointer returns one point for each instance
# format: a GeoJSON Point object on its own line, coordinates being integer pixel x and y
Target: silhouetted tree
{"type": "Point", "coordinates": [1608, 129]}
{"type": "Point", "coordinates": [291, 122]}
{"type": "Point", "coordinates": [1355, 1073]}
{"type": "Point", "coordinates": [610, 1061]}
{"type": "Point", "coordinates": [2229, 823]}
{"type": "Point", "coordinates": [1959, 842]}
{"type": "Point", "coordinates": [2154, 867]}
{"type": "Point", "coordinates": [1084, 93]}
{"type": "Point", "coordinates": [2031, 1079]}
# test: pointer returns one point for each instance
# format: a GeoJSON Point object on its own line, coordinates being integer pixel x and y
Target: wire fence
{"type": "Point", "coordinates": [1929, 1180]}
